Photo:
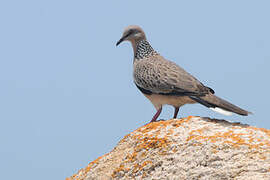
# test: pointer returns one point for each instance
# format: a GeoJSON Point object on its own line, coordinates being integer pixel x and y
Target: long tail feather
{"type": "Point", "coordinates": [220, 105]}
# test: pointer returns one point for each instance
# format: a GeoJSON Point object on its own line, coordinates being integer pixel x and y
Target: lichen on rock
{"type": "Point", "coordinates": [188, 148]}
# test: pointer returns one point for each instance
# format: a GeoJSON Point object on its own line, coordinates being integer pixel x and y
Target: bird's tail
{"type": "Point", "coordinates": [219, 105]}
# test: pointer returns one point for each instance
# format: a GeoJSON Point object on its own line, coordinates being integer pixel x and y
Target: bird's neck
{"type": "Point", "coordinates": [142, 49]}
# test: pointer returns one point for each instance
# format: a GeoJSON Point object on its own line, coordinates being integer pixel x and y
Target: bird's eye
{"type": "Point", "coordinates": [131, 32]}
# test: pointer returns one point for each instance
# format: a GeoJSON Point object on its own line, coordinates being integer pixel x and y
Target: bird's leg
{"type": "Point", "coordinates": [156, 115]}
{"type": "Point", "coordinates": [176, 109]}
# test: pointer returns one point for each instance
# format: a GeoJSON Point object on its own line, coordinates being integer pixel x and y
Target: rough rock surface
{"type": "Point", "coordinates": [189, 148]}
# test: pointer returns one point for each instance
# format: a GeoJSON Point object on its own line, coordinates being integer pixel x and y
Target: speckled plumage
{"type": "Point", "coordinates": [144, 49]}
{"type": "Point", "coordinates": [164, 82]}
{"type": "Point", "coordinates": [162, 76]}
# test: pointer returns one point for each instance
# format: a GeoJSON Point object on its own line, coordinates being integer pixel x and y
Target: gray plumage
{"type": "Point", "coordinates": [164, 82]}
{"type": "Point", "coordinates": [162, 76]}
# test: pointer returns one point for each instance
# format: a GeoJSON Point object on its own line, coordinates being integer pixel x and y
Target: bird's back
{"type": "Point", "coordinates": [159, 75]}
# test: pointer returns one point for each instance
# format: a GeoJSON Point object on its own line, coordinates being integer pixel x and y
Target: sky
{"type": "Point", "coordinates": [66, 91]}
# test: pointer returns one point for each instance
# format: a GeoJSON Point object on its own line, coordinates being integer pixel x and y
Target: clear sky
{"type": "Point", "coordinates": [66, 91]}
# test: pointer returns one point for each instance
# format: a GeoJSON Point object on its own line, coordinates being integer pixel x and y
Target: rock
{"type": "Point", "coordinates": [189, 148]}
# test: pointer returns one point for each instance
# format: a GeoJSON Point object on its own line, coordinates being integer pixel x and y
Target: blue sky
{"type": "Point", "coordinates": [67, 94]}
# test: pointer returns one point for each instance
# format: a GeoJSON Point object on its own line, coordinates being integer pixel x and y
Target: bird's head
{"type": "Point", "coordinates": [133, 34]}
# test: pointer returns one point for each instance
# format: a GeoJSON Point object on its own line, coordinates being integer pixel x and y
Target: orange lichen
{"type": "Point", "coordinates": [82, 172]}
{"type": "Point", "coordinates": [157, 136]}
{"type": "Point", "coordinates": [214, 151]}
{"type": "Point", "coordinates": [125, 137]}
{"type": "Point", "coordinates": [117, 170]}
{"type": "Point", "coordinates": [170, 132]}
{"type": "Point", "coordinates": [174, 150]}
{"type": "Point", "coordinates": [229, 137]}
{"type": "Point", "coordinates": [144, 174]}
{"type": "Point", "coordinates": [148, 140]}
{"type": "Point", "coordinates": [145, 163]}
{"type": "Point", "coordinates": [197, 131]}
{"type": "Point", "coordinates": [136, 168]}
{"type": "Point", "coordinates": [132, 157]}
{"type": "Point", "coordinates": [139, 166]}
{"type": "Point", "coordinates": [262, 157]}
{"type": "Point", "coordinates": [151, 143]}
{"type": "Point", "coordinates": [266, 131]}
{"type": "Point", "coordinates": [251, 139]}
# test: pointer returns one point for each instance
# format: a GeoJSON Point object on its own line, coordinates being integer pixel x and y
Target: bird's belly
{"type": "Point", "coordinates": [176, 101]}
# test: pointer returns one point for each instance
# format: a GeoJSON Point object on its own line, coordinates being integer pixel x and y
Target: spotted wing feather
{"type": "Point", "coordinates": [161, 76]}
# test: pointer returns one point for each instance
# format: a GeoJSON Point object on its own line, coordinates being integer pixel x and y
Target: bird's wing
{"type": "Point", "coordinates": [161, 76]}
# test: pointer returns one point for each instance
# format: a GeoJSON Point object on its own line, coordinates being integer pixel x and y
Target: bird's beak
{"type": "Point", "coordinates": [120, 40]}
{"type": "Point", "coordinates": [123, 38]}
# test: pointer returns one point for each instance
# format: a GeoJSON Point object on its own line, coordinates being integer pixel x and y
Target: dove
{"type": "Point", "coordinates": [163, 82]}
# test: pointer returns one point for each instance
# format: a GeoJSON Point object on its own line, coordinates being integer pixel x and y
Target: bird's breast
{"type": "Point", "coordinates": [176, 101]}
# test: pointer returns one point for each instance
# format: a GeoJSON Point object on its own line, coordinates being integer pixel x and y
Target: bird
{"type": "Point", "coordinates": [163, 82]}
